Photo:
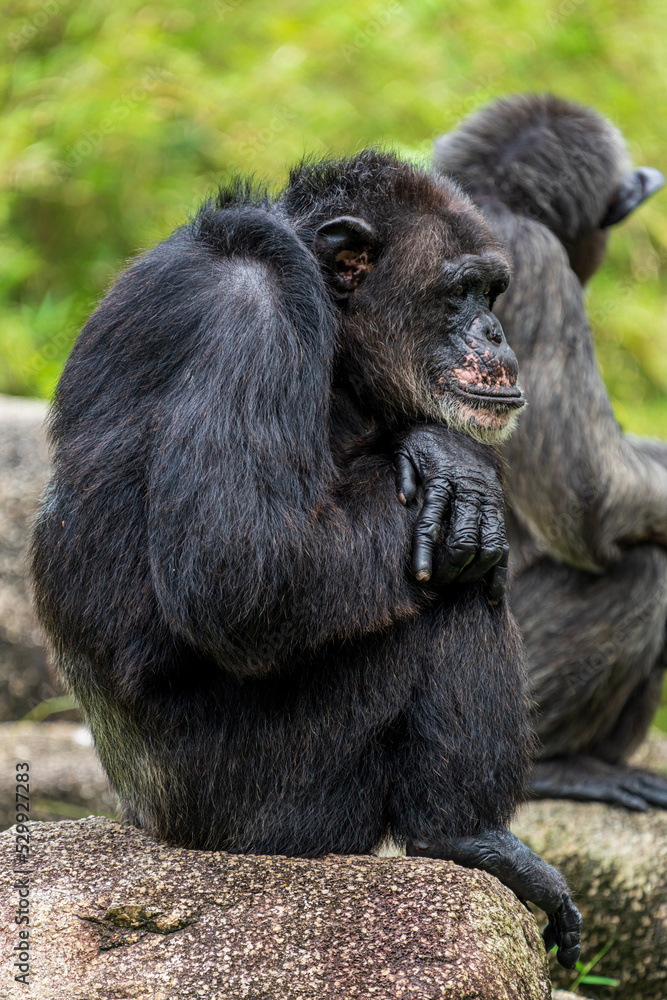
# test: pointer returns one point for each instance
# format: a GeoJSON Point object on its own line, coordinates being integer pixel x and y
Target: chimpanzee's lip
{"type": "Point", "coordinates": [510, 398]}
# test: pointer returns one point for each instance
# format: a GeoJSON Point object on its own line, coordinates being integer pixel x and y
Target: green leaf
{"type": "Point", "coordinates": [599, 981]}
{"type": "Point", "coordinates": [62, 703]}
{"type": "Point", "coordinates": [584, 969]}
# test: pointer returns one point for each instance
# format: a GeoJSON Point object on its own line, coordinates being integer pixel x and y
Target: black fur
{"type": "Point", "coordinates": [221, 561]}
{"type": "Point", "coordinates": [589, 504]}
{"type": "Point", "coordinates": [545, 158]}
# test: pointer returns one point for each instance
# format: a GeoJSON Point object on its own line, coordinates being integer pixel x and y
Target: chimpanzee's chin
{"type": "Point", "coordinates": [488, 424]}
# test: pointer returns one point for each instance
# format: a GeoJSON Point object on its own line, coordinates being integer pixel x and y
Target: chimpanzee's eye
{"type": "Point", "coordinates": [458, 291]}
{"type": "Point", "coordinates": [487, 292]}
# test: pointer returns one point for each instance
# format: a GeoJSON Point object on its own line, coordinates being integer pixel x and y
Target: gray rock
{"type": "Point", "coordinates": [113, 914]}
{"type": "Point", "coordinates": [616, 862]}
{"type": "Point", "coordinates": [24, 468]}
{"type": "Point", "coordinates": [652, 754]}
{"type": "Point", "coordinates": [66, 779]}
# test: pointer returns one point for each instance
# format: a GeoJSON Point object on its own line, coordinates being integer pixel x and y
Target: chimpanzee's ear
{"type": "Point", "coordinates": [636, 187]}
{"type": "Point", "coordinates": [347, 248]}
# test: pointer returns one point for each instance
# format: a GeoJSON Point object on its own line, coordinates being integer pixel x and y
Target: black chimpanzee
{"type": "Point", "coordinates": [222, 562]}
{"type": "Point", "coordinates": [588, 522]}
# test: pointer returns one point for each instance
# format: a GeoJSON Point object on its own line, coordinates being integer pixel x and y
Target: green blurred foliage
{"type": "Point", "coordinates": [120, 118]}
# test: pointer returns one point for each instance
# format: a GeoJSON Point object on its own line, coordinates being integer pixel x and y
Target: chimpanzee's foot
{"type": "Point", "coordinates": [590, 779]}
{"type": "Point", "coordinates": [501, 854]}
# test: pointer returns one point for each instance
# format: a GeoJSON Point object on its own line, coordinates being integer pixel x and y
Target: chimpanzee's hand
{"type": "Point", "coordinates": [460, 532]}
{"type": "Point", "coordinates": [512, 862]}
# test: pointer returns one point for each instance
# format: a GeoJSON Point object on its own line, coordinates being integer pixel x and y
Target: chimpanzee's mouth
{"type": "Point", "coordinates": [508, 398]}
{"type": "Point", "coordinates": [489, 415]}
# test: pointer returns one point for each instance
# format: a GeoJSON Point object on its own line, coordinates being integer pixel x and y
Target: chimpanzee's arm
{"type": "Point", "coordinates": [575, 480]}
{"type": "Point", "coordinates": [253, 531]}
{"type": "Point", "coordinates": [649, 448]}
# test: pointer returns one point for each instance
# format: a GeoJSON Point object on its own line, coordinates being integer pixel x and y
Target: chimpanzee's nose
{"type": "Point", "coordinates": [485, 327]}
{"type": "Point", "coordinates": [486, 338]}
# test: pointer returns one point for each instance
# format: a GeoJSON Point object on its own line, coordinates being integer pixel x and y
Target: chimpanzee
{"type": "Point", "coordinates": [588, 525]}
{"type": "Point", "coordinates": [222, 561]}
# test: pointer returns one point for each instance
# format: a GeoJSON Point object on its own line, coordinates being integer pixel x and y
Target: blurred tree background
{"type": "Point", "coordinates": [119, 118]}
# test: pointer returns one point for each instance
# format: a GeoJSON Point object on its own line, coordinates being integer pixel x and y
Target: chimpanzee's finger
{"type": "Point", "coordinates": [462, 543]}
{"type": "Point", "coordinates": [491, 547]}
{"type": "Point", "coordinates": [428, 528]}
{"type": "Point", "coordinates": [549, 936]}
{"type": "Point", "coordinates": [498, 577]}
{"type": "Point", "coordinates": [406, 479]}
{"type": "Point", "coordinates": [568, 933]}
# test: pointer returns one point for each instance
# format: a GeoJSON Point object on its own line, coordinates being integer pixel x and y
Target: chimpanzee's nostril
{"type": "Point", "coordinates": [485, 329]}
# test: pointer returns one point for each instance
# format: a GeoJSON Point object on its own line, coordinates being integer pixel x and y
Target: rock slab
{"type": "Point", "coordinates": [24, 469]}
{"type": "Point", "coordinates": [116, 915]}
{"type": "Point", "coordinates": [616, 863]}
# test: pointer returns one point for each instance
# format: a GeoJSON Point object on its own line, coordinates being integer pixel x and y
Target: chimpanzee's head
{"type": "Point", "coordinates": [415, 272]}
{"type": "Point", "coordinates": [552, 160]}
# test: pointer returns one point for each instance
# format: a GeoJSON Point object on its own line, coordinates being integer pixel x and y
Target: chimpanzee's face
{"type": "Point", "coordinates": [416, 292]}
{"type": "Point", "coordinates": [468, 373]}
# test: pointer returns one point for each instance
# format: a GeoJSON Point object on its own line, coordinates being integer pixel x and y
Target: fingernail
{"type": "Point", "coordinates": [423, 575]}
{"type": "Point", "coordinates": [401, 497]}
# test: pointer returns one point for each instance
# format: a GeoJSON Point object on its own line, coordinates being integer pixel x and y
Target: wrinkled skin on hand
{"type": "Point", "coordinates": [513, 863]}
{"type": "Point", "coordinates": [460, 533]}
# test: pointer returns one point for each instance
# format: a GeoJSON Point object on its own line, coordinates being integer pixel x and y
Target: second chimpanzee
{"type": "Point", "coordinates": [588, 524]}
{"type": "Point", "coordinates": [222, 561]}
